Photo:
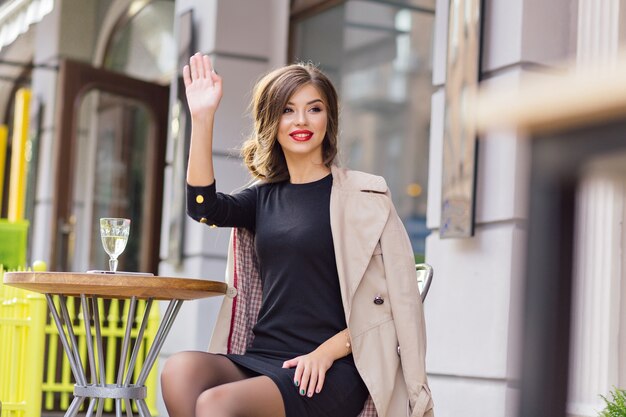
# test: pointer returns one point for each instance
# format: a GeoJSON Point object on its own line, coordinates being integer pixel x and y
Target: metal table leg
{"type": "Point", "coordinates": [98, 390]}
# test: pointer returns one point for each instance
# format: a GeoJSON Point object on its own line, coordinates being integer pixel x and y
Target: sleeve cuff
{"type": "Point", "coordinates": [198, 200]}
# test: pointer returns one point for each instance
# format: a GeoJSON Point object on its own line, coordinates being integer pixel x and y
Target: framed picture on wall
{"type": "Point", "coordinates": [459, 137]}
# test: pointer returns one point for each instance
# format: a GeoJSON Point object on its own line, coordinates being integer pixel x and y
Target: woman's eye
{"type": "Point", "coordinates": [287, 110]}
{"type": "Point", "coordinates": [316, 109]}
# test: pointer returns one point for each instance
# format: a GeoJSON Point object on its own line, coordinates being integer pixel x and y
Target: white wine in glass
{"type": "Point", "coordinates": [114, 233]}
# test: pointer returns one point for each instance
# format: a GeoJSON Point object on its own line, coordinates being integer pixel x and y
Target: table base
{"type": "Point", "coordinates": [98, 390]}
{"type": "Point", "coordinates": [111, 391]}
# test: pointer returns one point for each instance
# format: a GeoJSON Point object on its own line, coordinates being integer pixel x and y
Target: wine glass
{"type": "Point", "coordinates": [114, 233]}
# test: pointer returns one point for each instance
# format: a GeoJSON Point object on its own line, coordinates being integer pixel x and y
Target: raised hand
{"type": "Point", "coordinates": [203, 87]}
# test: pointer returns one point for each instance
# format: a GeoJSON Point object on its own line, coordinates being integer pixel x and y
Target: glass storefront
{"type": "Point", "coordinates": [117, 150]}
{"type": "Point", "coordinates": [379, 55]}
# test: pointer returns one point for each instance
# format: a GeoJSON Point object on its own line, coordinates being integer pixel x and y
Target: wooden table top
{"type": "Point", "coordinates": [118, 285]}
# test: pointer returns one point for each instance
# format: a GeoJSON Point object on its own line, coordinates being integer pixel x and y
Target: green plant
{"type": "Point", "coordinates": [615, 407]}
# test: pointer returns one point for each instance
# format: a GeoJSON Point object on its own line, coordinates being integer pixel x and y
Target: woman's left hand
{"type": "Point", "coordinates": [310, 371]}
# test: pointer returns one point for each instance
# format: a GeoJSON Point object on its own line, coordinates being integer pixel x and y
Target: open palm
{"type": "Point", "coordinates": [202, 85]}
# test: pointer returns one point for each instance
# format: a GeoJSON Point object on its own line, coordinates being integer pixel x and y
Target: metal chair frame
{"type": "Point", "coordinates": [424, 278]}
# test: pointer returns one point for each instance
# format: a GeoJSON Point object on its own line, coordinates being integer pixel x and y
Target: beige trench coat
{"type": "Point", "coordinates": [374, 259]}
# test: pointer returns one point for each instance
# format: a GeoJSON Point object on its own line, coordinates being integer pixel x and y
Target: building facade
{"type": "Point", "coordinates": [103, 151]}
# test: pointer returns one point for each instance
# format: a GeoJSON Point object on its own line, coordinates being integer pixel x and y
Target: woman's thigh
{"type": "Point", "coordinates": [187, 375]}
{"type": "Point", "coordinates": [201, 369]}
{"type": "Point", "coordinates": [253, 397]}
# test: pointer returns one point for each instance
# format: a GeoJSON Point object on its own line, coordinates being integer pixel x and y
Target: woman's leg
{"type": "Point", "coordinates": [186, 375]}
{"type": "Point", "coordinates": [253, 397]}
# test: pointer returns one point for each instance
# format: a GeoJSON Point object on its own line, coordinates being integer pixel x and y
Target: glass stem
{"type": "Point", "coordinates": [113, 264]}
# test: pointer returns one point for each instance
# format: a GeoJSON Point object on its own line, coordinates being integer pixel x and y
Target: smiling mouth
{"type": "Point", "coordinates": [301, 136]}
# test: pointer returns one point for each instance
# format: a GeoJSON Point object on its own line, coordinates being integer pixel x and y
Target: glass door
{"type": "Point", "coordinates": [115, 159]}
{"type": "Point", "coordinates": [111, 156]}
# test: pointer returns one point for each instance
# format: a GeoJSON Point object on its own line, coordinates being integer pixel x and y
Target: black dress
{"type": "Point", "coordinates": [301, 306]}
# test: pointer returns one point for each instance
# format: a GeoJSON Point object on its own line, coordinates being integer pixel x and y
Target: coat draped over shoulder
{"type": "Point", "coordinates": [374, 262]}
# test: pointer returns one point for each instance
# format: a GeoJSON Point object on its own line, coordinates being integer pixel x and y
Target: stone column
{"type": "Point", "coordinates": [596, 305]}
{"type": "Point", "coordinates": [68, 32]}
{"type": "Point", "coordinates": [597, 272]}
{"type": "Point", "coordinates": [622, 331]}
{"type": "Point", "coordinates": [598, 31]}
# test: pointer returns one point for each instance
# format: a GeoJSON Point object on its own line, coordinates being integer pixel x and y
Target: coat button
{"type": "Point", "coordinates": [378, 300]}
{"type": "Point", "coordinates": [203, 220]}
{"type": "Point", "coordinates": [199, 199]}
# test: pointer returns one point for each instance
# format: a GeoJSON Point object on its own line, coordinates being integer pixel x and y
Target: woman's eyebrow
{"type": "Point", "coordinates": [309, 103]}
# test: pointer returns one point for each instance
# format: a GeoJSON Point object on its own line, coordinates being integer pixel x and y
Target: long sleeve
{"type": "Point", "coordinates": [206, 205]}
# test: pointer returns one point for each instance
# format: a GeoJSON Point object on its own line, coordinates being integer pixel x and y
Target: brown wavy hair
{"type": "Point", "coordinates": [261, 152]}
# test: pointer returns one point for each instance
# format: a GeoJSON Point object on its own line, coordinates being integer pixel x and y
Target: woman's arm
{"type": "Point", "coordinates": [203, 88]}
{"type": "Point", "coordinates": [311, 368]}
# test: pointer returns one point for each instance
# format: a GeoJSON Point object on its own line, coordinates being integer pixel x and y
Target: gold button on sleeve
{"type": "Point", "coordinates": [213, 226]}
{"type": "Point", "coordinates": [203, 220]}
{"type": "Point", "coordinates": [199, 199]}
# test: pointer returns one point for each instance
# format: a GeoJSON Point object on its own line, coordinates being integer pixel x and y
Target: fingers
{"type": "Point", "coordinates": [290, 363]}
{"type": "Point", "coordinates": [217, 79]}
{"type": "Point", "coordinates": [186, 75]}
{"type": "Point", "coordinates": [210, 72]}
{"type": "Point", "coordinates": [200, 67]}
{"type": "Point", "coordinates": [208, 68]}
{"type": "Point", "coordinates": [304, 380]}
{"type": "Point", "coordinates": [309, 375]}
{"type": "Point", "coordinates": [320, 381]}
{"type": "Point", "coordinates": [312, 384]}
{"type": "Point", "coordinates": [311, 380]}
{"type": "Point", "coordinates": [193, 66]}
{"type": "Point", "coordinates": [297, 378]}
{"type": "Point", "coordinates": [200, 63]}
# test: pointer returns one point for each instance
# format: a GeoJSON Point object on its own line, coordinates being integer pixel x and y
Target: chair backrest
{"type": "Point", "coordinates": [424, 278]}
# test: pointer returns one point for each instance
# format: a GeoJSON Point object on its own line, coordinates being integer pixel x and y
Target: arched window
{"type": "Point", "coordinates": [143, 45]}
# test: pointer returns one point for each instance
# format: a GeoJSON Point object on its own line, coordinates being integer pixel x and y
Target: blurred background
{"type": "Point", "coordinates": [99, 85]}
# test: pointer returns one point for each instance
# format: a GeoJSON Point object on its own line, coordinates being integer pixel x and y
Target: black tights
{"type": "Point", "coordinates": [200, 384]}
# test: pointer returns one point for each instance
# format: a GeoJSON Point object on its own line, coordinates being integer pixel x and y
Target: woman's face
{"type": "Point", "coordinates": [302, 125]}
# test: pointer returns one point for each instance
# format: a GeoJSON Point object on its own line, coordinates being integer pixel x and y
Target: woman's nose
{"type": "Point", "coordinates": [301, 118]}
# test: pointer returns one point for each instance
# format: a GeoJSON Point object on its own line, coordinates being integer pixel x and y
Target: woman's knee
{"type": "Point", "coordinates": [215, 401]}
{"type": "Point", "coordinates": [179, 367]}
{"type": "Point", "coordinates": [251, 397]}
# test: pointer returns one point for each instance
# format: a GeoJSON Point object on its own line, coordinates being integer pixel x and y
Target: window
{"type": "Point", "coordinates": [379, 56]}
{"type": "Point", "coordinates": [144, 47]}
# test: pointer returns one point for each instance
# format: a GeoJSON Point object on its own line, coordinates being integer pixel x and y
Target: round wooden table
{"type": "Point", "coordinates": [92, 286]}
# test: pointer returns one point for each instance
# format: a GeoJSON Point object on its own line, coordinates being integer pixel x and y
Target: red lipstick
{"type": "Point", "coordinates": [301, 135]}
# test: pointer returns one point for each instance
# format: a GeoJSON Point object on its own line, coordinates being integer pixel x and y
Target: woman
{"type": "Point", "coordinates": [311, 331]}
